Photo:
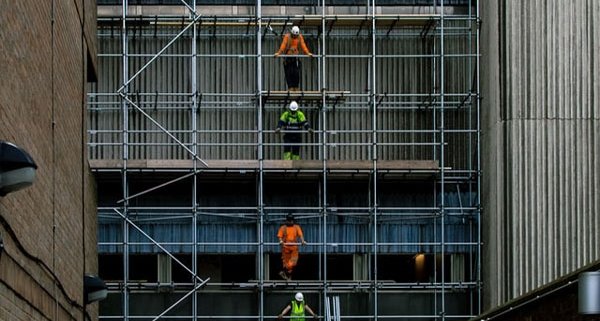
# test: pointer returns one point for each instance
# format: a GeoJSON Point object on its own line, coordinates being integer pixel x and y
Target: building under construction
{"type": "Point", "coordinates": [192, 187]}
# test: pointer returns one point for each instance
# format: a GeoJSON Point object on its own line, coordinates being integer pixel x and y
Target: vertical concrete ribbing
{"type": "Point", "coordinates": [538, 87]}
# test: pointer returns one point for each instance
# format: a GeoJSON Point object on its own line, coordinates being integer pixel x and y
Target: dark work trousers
{"type": "Point", "coordinates": [292, 138]}
{"type": "Point", "coordinates": [292, 66]}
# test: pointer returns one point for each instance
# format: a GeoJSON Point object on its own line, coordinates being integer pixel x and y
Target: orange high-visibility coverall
{"type": "Point", "coordinates": [291, 65]}
{"type": "Point", "coordinates": [289, 45]}
{"type": "Point", "coordinates": [290, 235]}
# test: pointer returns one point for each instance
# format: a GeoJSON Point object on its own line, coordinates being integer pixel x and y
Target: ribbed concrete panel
{"type": "Point", "coordinates": [541, 142]}
{"type": "Point", "coordinates": [549, 56]}
{"type": "Point", "coordinates": [551, 199]}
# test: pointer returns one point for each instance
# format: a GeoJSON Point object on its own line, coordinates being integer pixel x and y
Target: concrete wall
{"type": "Point", "coordinates": [557, 300]}
{"type": "Point", "coordinates": [540, 142]}
{"type": "Point", "coordinates": [49, 229]}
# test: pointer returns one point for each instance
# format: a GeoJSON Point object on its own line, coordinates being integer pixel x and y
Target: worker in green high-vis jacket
{"type": "Point", "coordinates": [297, 309]}
{"type": "Point", "coordinates": [292, 121]}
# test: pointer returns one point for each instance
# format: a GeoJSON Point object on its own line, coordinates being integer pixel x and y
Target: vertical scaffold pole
{"type": "Point", "coordinates": [125, 153]}
{"type": "Point", "coordinates": [260, 156]}
{"type": "Point", "coordinates": [442, 165]}
{"type": "Point", "coordinates": [194, 126]}
{"type": "Point", "coordinates": [478, 108]}
{"type": "Point", "coordinates": [374, 155]}
{"type": "Point", "coordinates": [325, 155]}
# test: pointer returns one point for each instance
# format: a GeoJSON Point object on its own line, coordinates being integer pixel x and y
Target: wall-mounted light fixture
{"type": "Point", "coordinates": [17, 168]}
{"type": "Point", "coordinates": [589, 292]}
{"type": "Point", "coordinates": [94, 289]}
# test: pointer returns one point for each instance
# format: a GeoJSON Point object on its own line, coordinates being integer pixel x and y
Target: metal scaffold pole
{"type": "Point", "coordinates": [260, 156]}
{"type": "Point", "coordinates": [194, 125]}
{"type": "Point", "coordinates": [125, 155]}
{"type": "Point", "coordinates": [324, 151]}
{"type": "Point", "coordinates": [478, 169]}
{"type": "Point", "coordinates": [442, 163]}
{"type": "Point", "coordinates": [375, 156]}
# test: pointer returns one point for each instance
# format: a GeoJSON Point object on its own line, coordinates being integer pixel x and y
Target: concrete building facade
{"type": "Point", "coordinates": [540, 143]}
{"type": "Point", "coordinates": [48, 230]}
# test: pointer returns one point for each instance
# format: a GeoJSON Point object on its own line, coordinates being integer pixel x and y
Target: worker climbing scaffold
{"type": "Point", "coordinates": [289, 234]}
{"type": "Point", "coordinates": [290, 45]}
{"type": "Point", "coordinates": [292, 121]}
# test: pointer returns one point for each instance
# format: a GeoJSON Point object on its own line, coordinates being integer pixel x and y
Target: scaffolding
{"type": "Point", "coordinates": [183, 144]}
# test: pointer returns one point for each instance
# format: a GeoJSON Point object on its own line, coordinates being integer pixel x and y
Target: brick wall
{"type": "Point", "coordinates": [49, 229]}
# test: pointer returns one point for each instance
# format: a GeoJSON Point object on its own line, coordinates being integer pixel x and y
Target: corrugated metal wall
{"type": "Point", "coordinates": [541, 147]}
{"type": "Point", "coordinates": [288, 2]}
{"type": "Point", "coordinates": [228, 230]}
{"type": "Point", "coordinates": [227, 116]}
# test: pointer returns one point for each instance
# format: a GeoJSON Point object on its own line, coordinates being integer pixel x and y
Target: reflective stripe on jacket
{"type": "Point", "coordinates": [293, 121]}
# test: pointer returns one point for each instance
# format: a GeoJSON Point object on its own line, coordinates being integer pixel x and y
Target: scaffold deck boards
{"type": "Point", "coordinates": [417, 165]}
{"type": "Point", "coordinates": [331, 20]}
{"type": "Point", "coordinates": [305, 95]}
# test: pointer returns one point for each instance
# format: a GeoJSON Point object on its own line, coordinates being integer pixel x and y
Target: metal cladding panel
{"type": "Point", "coordinates": [541, 114]}
{"type": "Point", "coordinates": [235, 237]}
{"type": "Point", "coordinates": [236, 231]}
{"type": "Point", "coordinates": [284, 2]}
{"type": "Point", "coordinates": [227, 111]}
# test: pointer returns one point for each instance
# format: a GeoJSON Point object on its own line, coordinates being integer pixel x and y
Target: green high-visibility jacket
{"type": "Point", "coordinates": [297, 313]}
{"type": "Point", "coordinates": [293, 121]}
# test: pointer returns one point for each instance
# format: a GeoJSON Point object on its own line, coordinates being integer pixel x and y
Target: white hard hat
{"type": "Point", "coordinates": [295, 30]}
{"type": "Point", "coordinates": [293, 106]}
{"type": "Point", "coordinates": [299, 297]}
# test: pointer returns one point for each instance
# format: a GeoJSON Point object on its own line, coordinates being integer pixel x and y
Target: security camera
{"type": "Point", "coordinates": [94, 289]}
{"type": "Point", "coordinates": [17, 168]}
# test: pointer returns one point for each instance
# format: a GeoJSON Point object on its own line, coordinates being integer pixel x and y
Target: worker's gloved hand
{"type": "Point", "coordinates": [310, 130]}
{"type": "Point", "coordinates": [315, 317]}
{"type": "Point", "coordinates": [277, 54]}
{"type": "Point", "coordinates": [277, 130]}
{"type": "Point", "coordinates": [280, 317]}
{"type": "Point", "coordinates": [311, 55]}
{"type": "Point", "coordinates": [303, 242]}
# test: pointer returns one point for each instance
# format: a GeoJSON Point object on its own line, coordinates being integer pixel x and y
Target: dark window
{"type": "Point", "coordinates": [412, 268]}
{"type": "Point", "coordinates": [178, 273]}
{"type": "Point", "coordinates": [307, 268]}
{"type": "Point", "coordinates": [143, 268]}
{"type": "Point", "coordinates": [238, 268]}
{"type": "Point", "coordinates": [110, 267]}
{"type": "Point", "coordinates": [340, 267]}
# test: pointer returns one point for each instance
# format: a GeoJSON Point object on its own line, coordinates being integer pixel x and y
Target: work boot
{"type": "Point", "coordinates": [283, 275]}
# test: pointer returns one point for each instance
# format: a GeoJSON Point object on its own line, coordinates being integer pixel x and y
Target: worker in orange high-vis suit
{"type": "Point", "coordinates": [290, 45]}
{"type": "Point", "coordinates": [289, 234]}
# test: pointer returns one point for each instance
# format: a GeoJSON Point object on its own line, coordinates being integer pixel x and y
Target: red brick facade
{"type": "Point", "coordinates": [49, 228]}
